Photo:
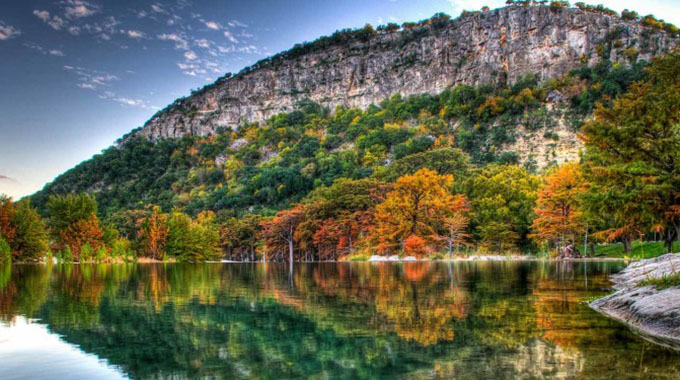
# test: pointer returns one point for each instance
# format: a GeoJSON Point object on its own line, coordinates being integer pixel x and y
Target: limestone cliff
{"type": "Point", "coordinates": [500, 45]}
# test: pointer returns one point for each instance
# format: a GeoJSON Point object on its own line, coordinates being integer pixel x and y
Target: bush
{"type": "Point", "coordinates": [86, 252]}
{"type": "Point", "coordinates": [102, 254]}
{"type": "Point", "coordinates": [5, 254]}
{"type": "Point", "coordinates": [361, 257]}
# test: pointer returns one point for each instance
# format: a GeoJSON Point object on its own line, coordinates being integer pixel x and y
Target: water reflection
{"type": "Point", "coordinates": [358, 320]}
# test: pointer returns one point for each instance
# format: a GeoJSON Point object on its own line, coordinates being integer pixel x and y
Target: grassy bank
{"type": "Point", "coordinates": [640, 250]}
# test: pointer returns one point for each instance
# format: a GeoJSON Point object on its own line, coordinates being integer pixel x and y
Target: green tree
{"type": "Point", "coordinates": [22, 229]}
{"type": "Point", "coordinates": [193, 241]}
{"type": "Point", "coordinates": [502, 199]}
{"type": "Point", "coordinates": [632, 155]}
{"type": "Point", "coordinates": [30, 243]}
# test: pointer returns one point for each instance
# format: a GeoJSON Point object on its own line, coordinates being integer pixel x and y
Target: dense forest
{"type": "Point", "coordinates": [425, 176]}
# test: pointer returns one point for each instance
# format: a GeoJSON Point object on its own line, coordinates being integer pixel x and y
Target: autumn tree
{"type": "Point", "coordinates": [279, 232]}
{"type": "Point", "coordinates": [83, 235]}
{"type": "Point", "coordinates": [418, 205]}
{"type": "Point", "coordinates": [73, 222]}
{"type": "Point", "coordinates": [343, 213]}
{"type": "Point", "coordinates": [153, 233]}
{"type": "Point", "coordinates": [22, 230]}
{"type": "Point", "coordinates": [632, 155]}
{"type": "Point", "coordinates": [559, 218]}
{"type": "Point", "coordinates": [454, 229]}
{"type": "Point", "coordinates": [502, 199]}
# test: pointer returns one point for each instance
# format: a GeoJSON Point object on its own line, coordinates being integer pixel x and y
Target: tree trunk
{"type": "Point", "coordinates": [290, 252]}
{"type": "Point", "coordinates": [626, 245]}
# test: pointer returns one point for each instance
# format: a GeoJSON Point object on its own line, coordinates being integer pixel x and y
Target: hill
{"type": "Point", "coordinates": [511, 85]}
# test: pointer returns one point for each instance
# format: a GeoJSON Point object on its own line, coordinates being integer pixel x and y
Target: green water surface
{"type": "Point", "coordinates": [465, 320]}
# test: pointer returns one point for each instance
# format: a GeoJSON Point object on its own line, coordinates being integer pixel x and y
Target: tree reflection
{"type": "Point", "coordinates": [359, 320]}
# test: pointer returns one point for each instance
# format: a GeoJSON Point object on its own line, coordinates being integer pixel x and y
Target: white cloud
{"type": "Point", "coordinates": [203, 43]}
{"type": "Point", "coordinates": [234, 23]}
{"type": "Point", "coordinates": [43, 15]}
{"type": "Point", "coordinates": [79, 11]}
{"type": "Point", "coordinates": [158, 8]}
{"type": "Point", "coordinates": [8, 32]}
{"type": "Point", "coordinates": [91, 79]}
{"type": "Point", "coordinates": [36, 47]}
{"type": "Point", "coordinates": [190, 55]}
{"type": "Point", "coordinates": [74, 30]}
{"type": "Point", "coordinates": [136, 34]}
{"type": "Point", "coordinates": [180, 42]}
{"type": "Point", "coordinates": [212, 25]}
{"type": "Point", "coordinates": [230, 36]}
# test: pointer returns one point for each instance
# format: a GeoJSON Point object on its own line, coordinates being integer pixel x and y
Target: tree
{"type": "Point", "coordinates": [414, 245]}
{"type": "Point", "coordinates": [153, 233]}
{"type": "Point", "coordinates": [22, 229]}
{"type": "Point", "coordinates": [193, 240]}
{"type": "Point", "coordinates": [280, 230]}
{"type": "Point", "coordinates": [83, 235]}
{"type": "Point", "coordinates": [73, 222]}
{"type": "Point", "coordinates": [455, 226]}
{"type": "Point", "coordinates": [632, 154]}
{"type": "Point", "coordinates": [502, 199]}
{"type": "Point", "coordinates": [559, 218]}
{"type": "Point", "coordinates": [418, 205]}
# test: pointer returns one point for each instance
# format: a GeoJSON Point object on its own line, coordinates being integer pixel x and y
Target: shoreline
{"type": "Point", "coordinates": [650, 312]}
{"type": "Point", "coordinates": [455, 259]}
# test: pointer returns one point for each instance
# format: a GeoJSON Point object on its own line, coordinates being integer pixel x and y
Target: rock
{"type": "Point", "coordinates": [238, 144]}
{"type": "Point", "coordinates": [502, 45]}
{"type": "Point", "coordinates": [394, 258]}
{"type": "Point", "coordinates": [409, 258]}
{"type": "Point", "coordinates": [653, 313]}
{"type": "Point", "coordinates": [221, 159]}
{"type": "Point", "coordinates": [569, 252]}
{"type": "Point", "coordinates": [554, 97]}
{"type": "Point", "coordinates": [377, 258]}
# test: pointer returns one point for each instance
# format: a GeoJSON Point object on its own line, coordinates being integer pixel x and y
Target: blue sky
{"type": "Point", "coordinates": [75, 75]}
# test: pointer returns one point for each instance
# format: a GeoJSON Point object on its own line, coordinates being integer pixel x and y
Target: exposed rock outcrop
{"type": "Point", "coordinates": [654, 313]}
{"type": "Point", "coordinates": [496, 46]}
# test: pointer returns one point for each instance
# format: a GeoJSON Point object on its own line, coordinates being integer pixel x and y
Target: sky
{"type": "Point", "coordinates": [76, 75]}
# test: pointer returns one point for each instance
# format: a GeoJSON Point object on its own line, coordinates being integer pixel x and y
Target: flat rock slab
{"type": "Point", "coordinates": [653, 313]}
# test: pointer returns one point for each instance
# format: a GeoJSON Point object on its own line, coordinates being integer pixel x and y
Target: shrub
{"type": "Point", "coordinates": [361, 257]}
{"type": "Point", "coordinates": [415, 246]}
{"type": "Point", "coordinates": [5, 254]}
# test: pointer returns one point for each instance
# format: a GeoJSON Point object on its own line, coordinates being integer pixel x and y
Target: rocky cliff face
{"type": "Point", "coordinates": [478, 48]}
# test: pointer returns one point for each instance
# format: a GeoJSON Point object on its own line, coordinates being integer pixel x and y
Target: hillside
{"type": "Point", "coordinates": [359, 68]}
{"type": "Point", "coordinates": [511, 85]}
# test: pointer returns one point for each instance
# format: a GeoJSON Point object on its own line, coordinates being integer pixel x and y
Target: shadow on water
{"type": "Point", "coordinates": [339, 320]}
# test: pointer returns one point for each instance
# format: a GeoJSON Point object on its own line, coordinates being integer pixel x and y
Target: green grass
{"type": "Point", "coordinates": [640, 250]}
{"type": "Point", "coordinates": [662, 282]}
{"type": "Point", "coordinates": [359, 258]}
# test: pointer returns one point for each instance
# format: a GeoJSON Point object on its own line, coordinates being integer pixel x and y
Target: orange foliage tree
{"type": "Point", "coordinates": [558, 215]}
{"type": "Point", "coordinates": [418, 205]}
{"type": "Point", "coordinates": [280, 231]}
{"type": "Point", "coordinates": [83, 232]}
{"type": "Point", "coordinates": [153, 234]}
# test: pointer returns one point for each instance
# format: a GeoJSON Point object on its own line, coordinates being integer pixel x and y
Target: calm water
{"type": "Point", "coordinates": [360, 320]}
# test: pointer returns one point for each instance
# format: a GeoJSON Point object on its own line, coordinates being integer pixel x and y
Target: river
{"type": "Point", "coordinates": [492, 320]}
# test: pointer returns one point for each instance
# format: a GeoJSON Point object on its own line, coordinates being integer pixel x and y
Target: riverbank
{"type": "Point", "coordinates": [640, 302]}
{"type": "Point", "coordinates": [396, 258]}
